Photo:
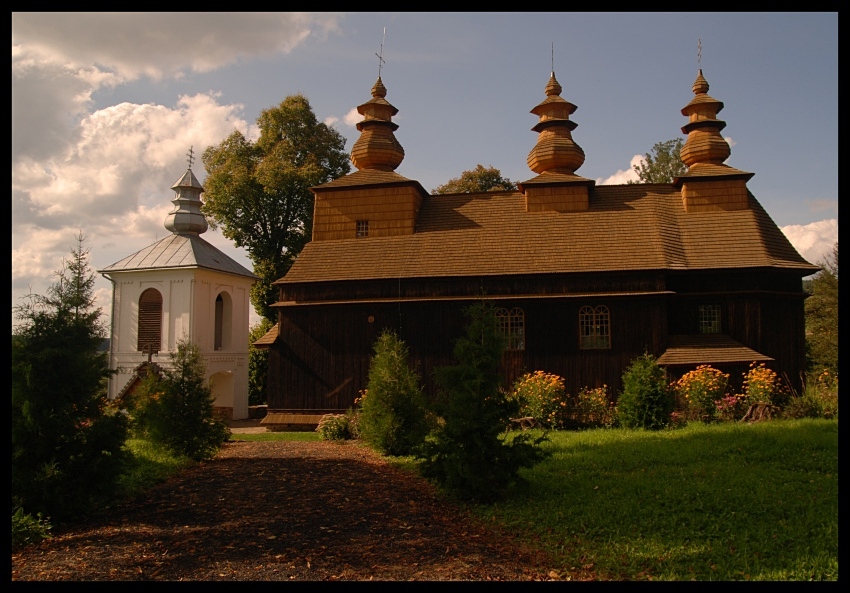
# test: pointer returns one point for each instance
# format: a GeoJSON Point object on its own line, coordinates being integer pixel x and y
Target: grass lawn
{"type": "Point", "coordinates": [707, 502]}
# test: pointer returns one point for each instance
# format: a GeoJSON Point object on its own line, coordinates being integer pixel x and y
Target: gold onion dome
{"type": "Point", "coordinates": [555, 150]}
{"type": "Point", "coordinates": [377, 147]}
{"type": "Point", "coordinates": [705, 145]}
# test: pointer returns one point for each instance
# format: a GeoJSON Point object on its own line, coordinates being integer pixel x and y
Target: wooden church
{"type": "Point", "coordinates": [182, 287]}
{"type": "Point", "coordinates": [585, 278]}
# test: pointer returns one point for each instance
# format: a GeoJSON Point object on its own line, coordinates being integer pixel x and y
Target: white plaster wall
{"type": "Point", "coordinates": [188, 301]}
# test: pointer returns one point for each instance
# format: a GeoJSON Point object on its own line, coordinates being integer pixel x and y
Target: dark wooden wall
{"type": "Point", "coordinates": [321, 359]}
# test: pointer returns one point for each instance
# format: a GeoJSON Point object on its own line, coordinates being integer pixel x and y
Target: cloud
{"type": "Point", "coordinates": [729, 141]}
{"type": "Point", "coordinates": [623, 176]}
{"type": "Point", "coordinates": [352, 118]}
{"type": "Point", "coordinates": [814, 240]}
{"type": "Point", "coordinates": [159, 45]}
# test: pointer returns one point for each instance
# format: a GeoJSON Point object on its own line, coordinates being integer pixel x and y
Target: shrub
{"type": "Point", "coordinates": [730, 408]}
{"type": "Point", "coordinates": [819, 400]}
{"type": "Point", "coordinates": [258, 363]}
{"type": "Point", "coordinates": [334, 427]}
{"type": "Point", "coordinates": [762, 385]}
{"type": "Point", "coordinates": [176, 410]}
{"type": "Point", "coordinates": [594, 408]}
{"type": "Point", "coordinates": [645, 401]}
{"type": "Point", "coordinates": [27, 529]}
{"type": "Point", "coordinates": [700, 389]}
{"type": "Point", "coordinates": [541, 396]}
{"type": "Point", "coordinates": [392, 417]}
{"type": "Point", "coordinates": [470, 453]}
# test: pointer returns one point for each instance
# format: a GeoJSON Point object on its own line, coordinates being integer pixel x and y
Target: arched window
{"type": "Point", "coordinates": [594, 328]}
{"type": "Point", "coordinates": [512, 326]}
{"type": "Point", "coordinates": [223, 315]}
{"type": "Point", "coordinates": [150, 321]}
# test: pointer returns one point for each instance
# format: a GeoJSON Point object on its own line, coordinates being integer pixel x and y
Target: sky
{"type": "Point", "coordinates": [106, 106]}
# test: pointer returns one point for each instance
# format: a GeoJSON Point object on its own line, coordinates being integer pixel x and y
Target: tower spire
{"type": "Point", "coordinates": [555, 151]}
{"type": "Point", "coordinates": [186, 217]}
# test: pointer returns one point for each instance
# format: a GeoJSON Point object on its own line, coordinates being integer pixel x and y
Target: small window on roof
{"type": "Point", "coordinates": [362, 229]}
{"type": "Point", "coordinates": [709, 319]}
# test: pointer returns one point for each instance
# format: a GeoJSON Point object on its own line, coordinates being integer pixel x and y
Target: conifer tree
{"type": "Point", "coordinates": [471, 453]}
{"type": "Point", "coordinates": [67, 441]}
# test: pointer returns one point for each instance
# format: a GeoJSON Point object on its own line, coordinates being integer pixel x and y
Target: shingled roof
{"type": "Point", "coordinates": [708, 349]}
{"type": "Point", "coordinates": [626, 228]}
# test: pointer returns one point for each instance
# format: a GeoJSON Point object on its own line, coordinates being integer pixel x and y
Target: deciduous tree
{"type": "Point", "coordinates": [822, 316]}
{"type": "Point", "coordinates": [663, 164]}
{"type": "Point", "coordinates": [476, 180]}
{"type": "Point", "coordinates": [259, 192]}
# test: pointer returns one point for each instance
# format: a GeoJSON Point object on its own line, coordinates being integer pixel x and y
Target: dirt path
{"type": "Point", "coordinates": [283, 511]}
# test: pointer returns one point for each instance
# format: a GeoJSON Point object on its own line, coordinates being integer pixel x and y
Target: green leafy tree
{"type": "Point", "coordinates": [393, 416]}
{"type": "Point", "coordinates": [471, 453]}
{"type": "Point", "coordinates": [646, 401]}
{"type": "Point", "coordinates": [176, 409]}
{"type": "Point", "coordinates": [663, 164]}
{"type": "Point", "coordinates": [67, 441]}
{"type": "Point", "coordinates": [259, 192]}
{"type": "Point", "coordinates": [478, 179]}
{"type": "Point", "coordinates": [258, 363]}
{"type": "Point", "coordinates": [822, 317]}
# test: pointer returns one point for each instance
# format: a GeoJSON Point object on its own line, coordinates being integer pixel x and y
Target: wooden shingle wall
{"type": "Point", "coordinates": [557, 198]}
{"type": "Point", "coordinates": [706, 196]}
{"type": "Point", "coordinates": [390, 211]}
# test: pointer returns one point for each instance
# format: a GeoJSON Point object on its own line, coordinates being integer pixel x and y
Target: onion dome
{"type": "Point", "coordinates": [186, 218]}
{"type": "Point", "coordinates": [705, 145]}
{"type": "Point", "coordinates": [555, 150]}
{"type": "Point", "coordinates": [377, 147]}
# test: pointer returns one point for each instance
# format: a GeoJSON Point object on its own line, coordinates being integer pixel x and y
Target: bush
{"type": "Point", "coordinates": [392, 417]}
{"type": "Point", "coordinates": [258, 364]}
{"type": "Point", "coordinates": [541, 396]}
{"type": "Point", "coordinates": [762, 385]}
{"type": "Point", "coordinates": [645, 402]}
{"type": "Point", "coordinates": [176, 410]}
{"type": "Point", "coordinates": [334, 427]}
{"type": "Point", "coordinates": [819, 400]}
{"type": "Point", "coordinates": [731, 407]}
{"type": "Point", "coordinates": [27, 529]}
{"type": "Point", "coordinates": [593, 408]}
{"type": "Point", "coordinates": [470, 454]}
{"type": "Point", "coordinates": [699, 389]}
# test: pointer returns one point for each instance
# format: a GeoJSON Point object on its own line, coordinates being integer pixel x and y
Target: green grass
{"type": "Point", "coordinates": [149, 465]}
{"type": "Point", "coordinates": [707, 502]}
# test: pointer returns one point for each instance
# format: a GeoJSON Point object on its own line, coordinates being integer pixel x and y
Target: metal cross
{"type": "Point", "coordinates": [191, 155]}
{"type": "Point", "coordinates": [699, 51]}
{"type": "Point", "coordinates": [553, 57]}
{"type": "Point", "coordinates": [380, 55]}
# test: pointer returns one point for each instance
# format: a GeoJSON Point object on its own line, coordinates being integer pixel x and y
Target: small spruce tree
{"type": "Point", "coordinates": [392, 416]}
{"type": "Point", "coordinates": [176, 409]}
{"type": "Point", "coordinates": [471, 454]}
{"type": "Point", "coordinates": [646, 401]}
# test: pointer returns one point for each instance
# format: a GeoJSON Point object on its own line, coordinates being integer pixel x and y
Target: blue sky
{"type": "Point", "coordinates": [105, 106]}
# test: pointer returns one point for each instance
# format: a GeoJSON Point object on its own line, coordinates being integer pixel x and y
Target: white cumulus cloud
{"type": "Point", "coordinates": [814, 241]}
{"type": "Point", "coordinates": [623, 175]}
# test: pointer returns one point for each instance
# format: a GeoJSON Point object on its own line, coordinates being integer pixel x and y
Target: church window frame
{"type": "Point", "coordinates": [362, 230]}
{"type": "Point", "coordinates": [594, 328]}
{"type": "Point", "coordinates": [709, 319]}
{"type": "Point", "coordinates": [511, 324]}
